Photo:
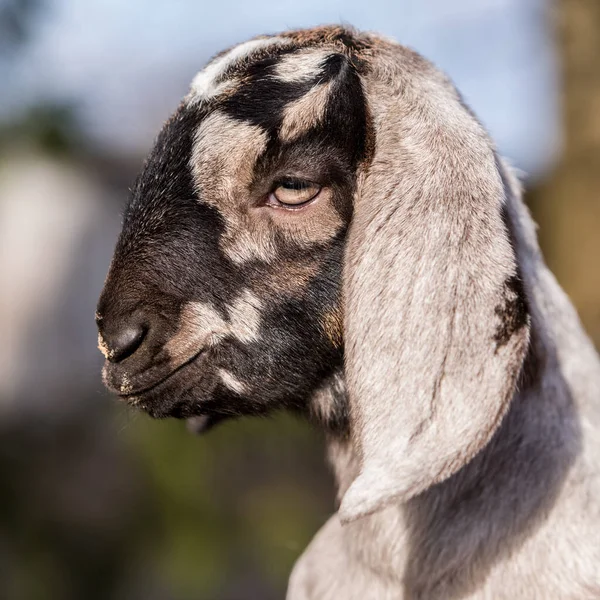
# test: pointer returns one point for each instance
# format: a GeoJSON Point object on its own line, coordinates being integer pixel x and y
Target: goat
{"type": "Point", "coordinates": [323, 225]}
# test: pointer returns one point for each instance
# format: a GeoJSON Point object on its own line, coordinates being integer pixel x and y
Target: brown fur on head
{"type": "Point", "coordinates": [396, 280]}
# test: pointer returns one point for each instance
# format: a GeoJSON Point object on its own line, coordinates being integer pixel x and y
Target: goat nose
{"type": "Point", "coordinates": [117, 344]}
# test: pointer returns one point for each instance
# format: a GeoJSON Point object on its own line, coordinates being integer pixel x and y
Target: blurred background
{"type": "Point", "coordinates": [100, 502]}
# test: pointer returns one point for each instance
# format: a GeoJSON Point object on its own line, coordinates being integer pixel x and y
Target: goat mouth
{"type": "Point", "coordinates": [133, 396]}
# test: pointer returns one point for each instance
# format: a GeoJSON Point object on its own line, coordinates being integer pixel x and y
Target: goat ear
{"type": "Point", "coordinates": [436, 323]}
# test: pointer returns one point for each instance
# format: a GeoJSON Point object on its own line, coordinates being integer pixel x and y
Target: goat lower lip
{"type": "Point", "coordinates": [148, 388]}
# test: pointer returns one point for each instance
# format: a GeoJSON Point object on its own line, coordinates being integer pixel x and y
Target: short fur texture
{"type": "Point", "coordinates": [406, 310]}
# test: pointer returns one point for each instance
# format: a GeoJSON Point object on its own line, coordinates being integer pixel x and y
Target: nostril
{"type": "Point", "coordinates": [124, 342]}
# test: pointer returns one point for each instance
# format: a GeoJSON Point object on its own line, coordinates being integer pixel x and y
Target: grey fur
{"type": "Point", "coordinates": [427, 262]}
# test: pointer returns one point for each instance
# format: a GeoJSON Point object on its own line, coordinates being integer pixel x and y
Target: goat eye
{"type": "Point", "coordinates": [294, 192]}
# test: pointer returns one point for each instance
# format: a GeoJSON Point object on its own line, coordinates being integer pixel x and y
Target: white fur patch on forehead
{"type": "Point", "coordinates": [234, 145]}
{"type": "Point", "coordinates": [206, 83]}
{"type": "Point", "coordinates": [304, 113]}
{"type": "Point", "coordinates": [301, 66]}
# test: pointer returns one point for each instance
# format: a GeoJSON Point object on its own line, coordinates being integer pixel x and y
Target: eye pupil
{"type": "Point", "coordinates": [294, 184]}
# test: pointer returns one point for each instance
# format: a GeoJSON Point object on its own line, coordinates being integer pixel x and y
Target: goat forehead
{"type": "Point", "coordinates": [275, 60]}
{"type": "Point", "coordinates": [260, 90]}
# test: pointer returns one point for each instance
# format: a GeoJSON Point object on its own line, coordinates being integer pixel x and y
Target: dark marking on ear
{"type": "Point", "coordinates": [514, 313]}
{"type": "Point", "coordinates": [535, 360]}
{"type": "Point", "coordinates": [534, 364]}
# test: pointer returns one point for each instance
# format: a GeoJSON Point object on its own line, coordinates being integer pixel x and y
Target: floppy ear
{"type": "Point", "coordinates": [436, 323]}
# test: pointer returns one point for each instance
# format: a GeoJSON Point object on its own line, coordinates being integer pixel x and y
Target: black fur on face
{"type": "Point", "coordinates": [189, 328]}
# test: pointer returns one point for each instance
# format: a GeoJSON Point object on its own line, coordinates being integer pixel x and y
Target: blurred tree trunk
{"type": "Point", "coordinates": [567, 205]}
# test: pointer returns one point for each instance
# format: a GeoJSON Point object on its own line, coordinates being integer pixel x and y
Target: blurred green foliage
{"type": "Point", "coordinates": [235, 497]}
{"type": "Point", "coordinates": [102, 507]}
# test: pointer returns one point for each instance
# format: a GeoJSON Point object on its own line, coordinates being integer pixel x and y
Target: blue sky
{"type": "Point", "coordinates": [127, 63]}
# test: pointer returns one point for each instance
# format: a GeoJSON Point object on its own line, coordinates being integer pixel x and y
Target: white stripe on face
{"type": "Point", "coordinates": [201, 325]}
{"type": "Point", "coordinates": [223, 159]}
{"type": "Point", "coordinates": [306, 112]}
{"type": "Point", "coordinates": [231, 382]}
{"type": "Point", "coordinates": [205, 84]}
{"type": "Point", "coordinates": [245, 317]}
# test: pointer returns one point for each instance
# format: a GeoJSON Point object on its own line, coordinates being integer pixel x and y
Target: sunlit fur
{"type": "Point", "coordinates": [406, 310]}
